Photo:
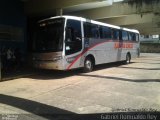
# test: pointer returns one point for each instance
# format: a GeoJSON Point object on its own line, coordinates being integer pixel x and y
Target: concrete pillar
{"type": "Point", "coordinates": [59, 12]}
{"type": "Point", "coordinates": [0, 68]}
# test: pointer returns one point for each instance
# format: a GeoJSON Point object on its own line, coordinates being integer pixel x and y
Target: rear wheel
{"type": "Point", "coordinates": [128, 58]}
{"type": "Point", "coordinates": [88, 65]}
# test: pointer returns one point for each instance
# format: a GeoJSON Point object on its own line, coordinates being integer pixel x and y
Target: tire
{"type": "Point", "coordinates": [88, 65]}
{"type": "Point", "coordinates": [128, 59]}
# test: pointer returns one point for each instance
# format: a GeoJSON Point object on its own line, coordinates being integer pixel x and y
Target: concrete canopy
{"type": "Point", "coordinates": [145, 18]}
{"type": "Point", "coordinates": [147, 23]}
{"type": "Point", "coordinates": [50, 6]}
{"type": "Point", "coordinates": [131, 16]}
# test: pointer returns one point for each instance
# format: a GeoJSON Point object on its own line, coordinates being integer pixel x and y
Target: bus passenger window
{"type": "Point", "coordinates": [94, 31]}
{"type": "Point", "coordinates": [130, 36]}
{"type": "Point", "coordinates": [137, 37]}
{"type": "Point", "coordinates": [91, 30]}
{"type": "Point", "coordinates": [87, 30]}
{"type": "Point", "coordinates": [115, 34]}
{"type": "Point", "coordinates": [73, 37]}
{"type": "Point", "coordinates": [133, 37]}
{"type": "Point", "coordinates": [124, 35]}
{"type": "Point", "coordinates": [105, 32]}
{"type": "Point", "coordinates": [120, 35]}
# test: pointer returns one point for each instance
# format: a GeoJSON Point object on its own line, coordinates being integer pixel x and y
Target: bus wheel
{"type": "Point", "coordinates": [88, 65]}
{"type": "Point", "coordinates": [128, 58]}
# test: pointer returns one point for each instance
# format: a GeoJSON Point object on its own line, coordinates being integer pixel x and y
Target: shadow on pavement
{"type": "Point", "coordinates": [122, 79]}
{"type": "Point", "coordinates": [33, 107]}
{"type": "Point", "coordinates": [110, 65]}
{"type": "Point", "coordinates": [141, 68]}
{"type": "Point", "coordinates": [41, 111]}
{"type": "Point", "coordinates": [149, 62]}
{"type": "Point", "coordinates": [150, 59]}
{"type": "Point", "coordinates": [54, 74]}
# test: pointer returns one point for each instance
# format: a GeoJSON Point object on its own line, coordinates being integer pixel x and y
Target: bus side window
{"type": "Point", "coordinates": [120, 35]}
{"type": "Point", "coordinates": [94, 31]}
{"type": "Point", "coordinates": [105, 32]}
{"type": "Point", "coordinates": [115, 34]}
{"type": "Point", "coordinates": [133, 37]}
{"type": "Point", "coordinates": [124, 35]}
{"type": "Point", "coordinates": [130, 36]}
{"type": "Point", "coordinates": [73, 37]}
{"type": "Point", "coordinates": [137, 37]}
{"type": "Point", "coordinates": [91, 30]}
{"type": "Point", "coordinates": [87, 30]}
{"type": "Point", "coordinates": [69, 34]}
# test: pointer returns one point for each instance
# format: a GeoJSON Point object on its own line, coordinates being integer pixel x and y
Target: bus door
{"type": "Point", "coordinates": [73, 43]}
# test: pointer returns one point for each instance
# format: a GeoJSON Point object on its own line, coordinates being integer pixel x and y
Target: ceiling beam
{"type": "Point", "coordinates": [117, 10]}
{"type": "Point", "coordinates": [132, 19]}
{"type": "Point", "coordinates": [145, 28]}
{"type": "Point", "coordinates": [49, 6]}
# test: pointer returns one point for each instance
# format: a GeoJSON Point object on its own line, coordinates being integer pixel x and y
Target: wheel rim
{"type": "Point", "coordinates": [128, 59]}
{"type": "Point", "coordinates": [88, 64]}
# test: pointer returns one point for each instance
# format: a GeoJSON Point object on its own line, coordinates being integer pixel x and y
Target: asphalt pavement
{"type": "Point", "coordinates": [109, 88]}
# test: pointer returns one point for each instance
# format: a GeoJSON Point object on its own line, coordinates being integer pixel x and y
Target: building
{"type": "Point", "coordinates": [150, 38]}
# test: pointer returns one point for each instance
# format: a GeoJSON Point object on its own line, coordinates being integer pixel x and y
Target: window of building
{"type": "Point", "coordinates": [146, 36]}
{"type": "Point", "coordinates": [155, 36]}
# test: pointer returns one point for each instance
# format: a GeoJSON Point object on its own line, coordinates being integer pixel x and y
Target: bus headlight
{"type": "Point", "coordinates": [57, 58]}
{"type": "Point", "coordinates": [70, 60]}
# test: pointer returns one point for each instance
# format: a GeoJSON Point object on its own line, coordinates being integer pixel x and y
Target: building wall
{"type": "Point", "coordinates": [149, 38]}
{"type": "Point", "coordinates": [12, 25]}
{"type": "Point", "coordinates": [150, 48]}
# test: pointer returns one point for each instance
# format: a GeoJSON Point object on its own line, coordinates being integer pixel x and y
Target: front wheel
{"type": "Point", "coordinates": [88, 65]}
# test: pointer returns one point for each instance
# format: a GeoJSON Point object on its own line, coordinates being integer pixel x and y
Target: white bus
{"type": "Point", "coordinates": [68, 42]}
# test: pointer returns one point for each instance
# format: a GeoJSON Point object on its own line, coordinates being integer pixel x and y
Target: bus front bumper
{"type": "Point", "coordinates": [48, 65]}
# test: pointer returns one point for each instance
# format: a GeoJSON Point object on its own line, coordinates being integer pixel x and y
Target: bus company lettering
{"type": "Point", "coordinates": [123, 45]}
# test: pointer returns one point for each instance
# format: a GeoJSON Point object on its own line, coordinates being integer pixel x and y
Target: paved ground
{"type": "Point", "coordinates": [110, 88]}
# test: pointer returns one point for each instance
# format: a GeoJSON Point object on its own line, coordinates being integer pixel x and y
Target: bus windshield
{"type": "Point", "coordinates": [49, 36]}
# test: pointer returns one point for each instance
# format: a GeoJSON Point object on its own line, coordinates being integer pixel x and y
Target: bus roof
{"type": "Point", "coordinates": [91, 21]}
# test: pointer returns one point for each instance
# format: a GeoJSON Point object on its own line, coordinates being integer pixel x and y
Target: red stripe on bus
{"type": "Point", "coordinates": [80, 55]}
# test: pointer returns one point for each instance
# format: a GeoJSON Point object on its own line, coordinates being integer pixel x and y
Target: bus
{"type": "Point", "coordinates": [69, 42]}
